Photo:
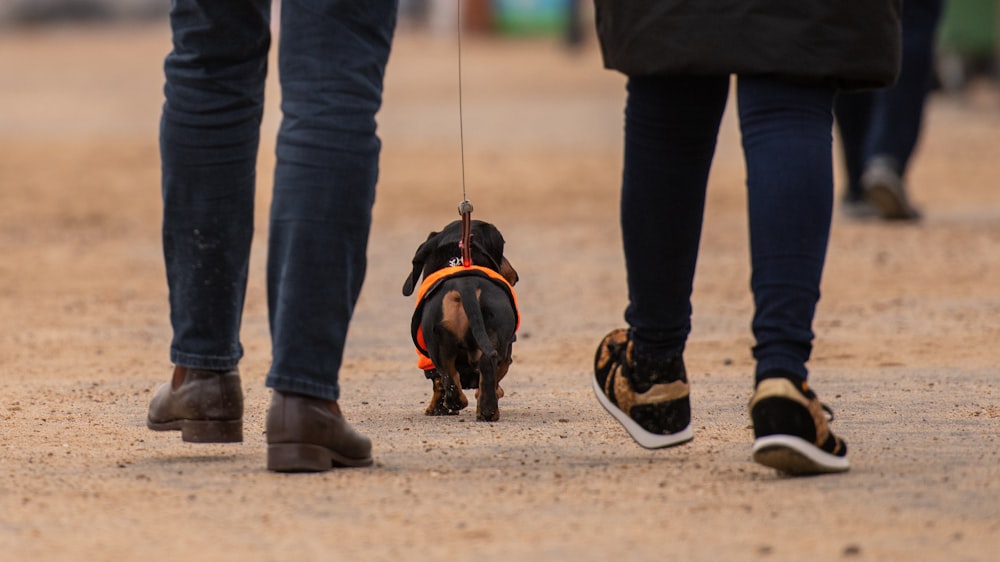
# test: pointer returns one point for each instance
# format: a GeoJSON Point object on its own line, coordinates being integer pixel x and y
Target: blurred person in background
{"type": "Point", "coordinates": [790, 58]}
{"type": "Point", "coordinates": [879, 130]}
{"type": "Point", "coordinates": [332, 59]}
{"type": "Point", "coordinates": [574, 36]}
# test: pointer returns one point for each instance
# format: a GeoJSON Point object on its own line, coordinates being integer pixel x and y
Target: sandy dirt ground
{"type": "Point", "coordinates": [907, 352]}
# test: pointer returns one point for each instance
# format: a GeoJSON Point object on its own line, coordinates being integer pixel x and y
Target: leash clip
{"type": "Point", "coordinates": [465, 244]}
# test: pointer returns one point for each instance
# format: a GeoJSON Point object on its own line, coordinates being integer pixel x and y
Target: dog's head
{"type": "Point", "coordinates": [441, 250]}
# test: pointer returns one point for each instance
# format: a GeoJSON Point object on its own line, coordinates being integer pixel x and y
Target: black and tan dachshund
{"type": "Point", "coordinates": [465, 318]}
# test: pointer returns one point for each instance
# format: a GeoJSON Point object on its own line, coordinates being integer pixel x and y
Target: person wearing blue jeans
{"type": "Point", "coordinates": [790, 60]}
{"type": "Point", "coordinates": [670, 131]}
{"type": "Point", "coordinates": [331, 62]}
{"type": "Point", "coordinates": [879, 130]}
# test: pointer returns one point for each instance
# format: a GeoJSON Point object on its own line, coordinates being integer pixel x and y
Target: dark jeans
{"type": "Point", "coordinates": [332, 60]}
{"type": "Point", "coordinates": [670, 134]}
{"type": "Point", "coordinates": [887, 122]}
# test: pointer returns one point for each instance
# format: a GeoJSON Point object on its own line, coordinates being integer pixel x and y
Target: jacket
{"type": "Point", "coordinates": [854, 44]}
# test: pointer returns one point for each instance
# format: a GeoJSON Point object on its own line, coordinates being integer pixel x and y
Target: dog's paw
{"type": "Point", "coordinates": [454, 399]}
{"type": "Point", "coordinates": [438, 410]}
{"type": "Point", "coordinates": [441, 408]}
{"type": "Point", "coordinates": [488, 415]}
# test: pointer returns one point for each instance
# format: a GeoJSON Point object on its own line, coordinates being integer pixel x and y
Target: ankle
{"type": "Point", "coordinates": [645, 371]}
{"type": "Point", "coordinates": [335, 408]}
{"type": "Point", "coordinates": [776, 374]}
{"type": "Point", "coordinates": [180, 373]}
{"type": "Point", "coordinates": [331, 405]}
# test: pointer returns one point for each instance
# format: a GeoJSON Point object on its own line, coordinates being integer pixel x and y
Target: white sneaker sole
{"type": "Point", "coordinates": [644, 438]}
{"type": "Point", "coordinates": [796, 456]}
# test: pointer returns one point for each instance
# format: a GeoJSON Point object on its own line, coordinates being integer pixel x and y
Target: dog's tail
{"type": "Point", "coordinates": [477, 325]}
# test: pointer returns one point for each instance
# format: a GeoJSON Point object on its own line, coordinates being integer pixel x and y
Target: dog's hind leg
{"type": "Point", "coordinates": [437, 406]}
{"type": "Point", "coordinates": [448, 399]}
{"type": "Point", "coordinates": [502, 366]}
{"type": "Point", "coordinates": [487, 408]}
{"type": "Point", "coordinates": [451, 390]}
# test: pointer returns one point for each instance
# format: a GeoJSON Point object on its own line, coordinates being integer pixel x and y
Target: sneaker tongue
{"type": "Point", "coordinates": [644, 372]}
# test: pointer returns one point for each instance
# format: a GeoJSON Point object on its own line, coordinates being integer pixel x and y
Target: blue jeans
{"type": "Point", "coordinates": [671, 126]}
{"type": "Point", "coordinates": [887, 122]}
{"type": "Point", "coordinates": [332, 60]}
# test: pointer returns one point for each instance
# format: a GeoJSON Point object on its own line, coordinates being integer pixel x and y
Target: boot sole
{"type": "Point", "coordinates": [305, 457]}
{"type": "Point", "coordinates": [796, 456]}
{"type": "Point", "coordinates": [203, 431]}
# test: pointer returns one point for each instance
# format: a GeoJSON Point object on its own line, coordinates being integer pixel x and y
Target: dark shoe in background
{"type": "Point", "coordinates": [855, 206]}
{"type": "Point", "coordinates": [304, 435]}
{"type": "Point", "coordinates": [206, 406]}
{"type": "Point", "coordinates": [650, 399]}
{"type": "Point", "coordinates": [884, 189]}
{"type": "Point", "coordinates": [791, 430]}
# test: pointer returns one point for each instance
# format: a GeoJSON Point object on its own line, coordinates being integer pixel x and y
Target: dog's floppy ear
{"type": "Point", "coordinates": [492, 241]}
{"type": "Point", "coordinates": [507, 272]}
{"type": "Point", "coordinates": [419, 258]}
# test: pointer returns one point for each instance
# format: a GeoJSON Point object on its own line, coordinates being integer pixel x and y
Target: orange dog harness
{"type": "Point", "coordinates": [431, 283]}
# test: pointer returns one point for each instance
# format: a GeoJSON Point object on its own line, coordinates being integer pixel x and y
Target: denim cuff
{"type": "Point", "coordinates": [213, 362]}
{"type": "Point", "coordinates": [282, 383]}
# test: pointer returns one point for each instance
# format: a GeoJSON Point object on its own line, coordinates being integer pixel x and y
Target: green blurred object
{"type": "Point", "coordinates": [531, 17]}
{"type": "Point", "coordinates": [969, 27]}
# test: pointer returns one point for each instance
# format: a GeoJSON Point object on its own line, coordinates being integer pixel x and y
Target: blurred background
{"type": "Point", "coordinates": [81, 89]}
{"type": "Point", "coordinates": [907, 328]}
{"type": "Point", "coordinates": [968, 46]}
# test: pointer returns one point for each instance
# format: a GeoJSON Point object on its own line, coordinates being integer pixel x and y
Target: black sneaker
{"type": "Point", "coordinates": [791, 430]}
{"type": "Point", "coordinates": [650, 399]}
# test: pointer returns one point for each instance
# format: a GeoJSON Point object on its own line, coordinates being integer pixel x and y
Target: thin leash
{"type": "Point", "coordinates": [465, 207]}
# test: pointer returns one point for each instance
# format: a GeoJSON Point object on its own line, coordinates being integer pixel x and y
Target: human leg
{"type": "Point", "coordinates": [208, 142]}
{"type": "Point", "coordinates": [853, 112]}
{"type": "Point", "coordinates": [670, 134]}
{"type": "Point", "coordinates": [209, 136]}
{"type": "Point", "coordinates": [897, 114]}
{"type": "Point", "coordinates": [787, 142]}
{"type": "Point", "coordinates": [898, 111]}
{"type": "Point", "coordinates": [332, 61]}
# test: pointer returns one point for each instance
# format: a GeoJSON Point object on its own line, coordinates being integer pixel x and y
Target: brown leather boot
{"type": "Point", "coordinates": [306, 434]}
{"type": "Point", "coordinates": [205, 406]}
